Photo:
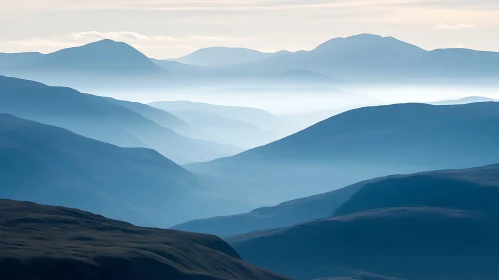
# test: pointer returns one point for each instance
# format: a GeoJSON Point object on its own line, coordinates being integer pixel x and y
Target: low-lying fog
{"type": "Point", "coordinates": [309, 100]}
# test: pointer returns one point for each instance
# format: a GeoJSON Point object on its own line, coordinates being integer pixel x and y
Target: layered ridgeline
{"type": "Point", "coordinates": [360, 58]}
{"type": "Point", "coordinates": [436, 225]}
{"type": "Point", "coordinates": [54, 243]}
{"type": "Point", "coordinates": [50, 165]}
{"type": "Point", "coordinates": [465, 100]}
{"type": "Point", "coordinates": [373, 58]}
{"type": "Point", "coordinates": [161, 117]}
{"type": "Point", "coordinates": [321, 206]}
{"type": "Point", "coordinates": [285, 214]}
{"type": "Point", "coordinates": [117, 122]}
{"type": "Point", "coordinates": [112, 66]}
{"type": "Point", "coordinates": [362, 144]}
{"type": "Point", "coordinates": [365, 58]}
{"type": "Point", "coordinates": [233, 125]}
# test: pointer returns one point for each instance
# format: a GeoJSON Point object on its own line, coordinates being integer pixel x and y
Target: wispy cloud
{"type": "Point", "coordinates": [195, 5]}
{"type": "Point", "coordinates": [459, 26]}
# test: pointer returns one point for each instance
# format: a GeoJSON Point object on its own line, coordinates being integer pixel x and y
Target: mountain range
{"type": "Point", "coordinates": [117, 122]}
{"type": "Point", "coordinates": [359, 59]}
{"type": "Point", "coordinates": [55, 243]}
{"type": "Point", "coordinates": [366, 58]}
{"type": "Point", "coordinates": [435, 225]}
{"type": "Point", "coordinates": [363, 144]}
{"type": "Point", "coordinates": [388, 192]}
{"type": "Point", "coordinates": [50, 165]}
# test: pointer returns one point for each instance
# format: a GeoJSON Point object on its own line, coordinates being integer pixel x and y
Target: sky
{"type": "Point", "coordinates": [174, 28]}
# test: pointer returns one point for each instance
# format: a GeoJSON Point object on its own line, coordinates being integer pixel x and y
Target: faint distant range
{"type": "Point", "coordinates": [361, 57]}
{"type": "Point", "coordinates": [365, 58]}
{"type": "Point", "coordinates": [465, 100]}
{"type": "Point", "coordinates": [241, 126]}
{"type": "Point", "coordinates": [222, 56]}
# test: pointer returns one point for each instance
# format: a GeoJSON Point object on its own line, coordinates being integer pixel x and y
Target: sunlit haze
{"type": "Point", "coordinates": [173, 28]}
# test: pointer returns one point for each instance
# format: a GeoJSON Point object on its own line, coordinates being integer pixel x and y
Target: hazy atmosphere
{"type": "Point", "coordinates": [249, 140]}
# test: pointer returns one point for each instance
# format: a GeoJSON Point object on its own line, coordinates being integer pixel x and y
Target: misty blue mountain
{"type": "Point", "coordinates": [104, 57]}
{"type": "Point", "coordinates": [249, 140]}
{"type": "Point", "coordinates": [120, 123]}
{"type": "Point", "coordinates": [435, 225]}
{"type": "Point", "coordinates": [363, 144]}
{"type": "Point", "coordinates": [159, 116]}
{"type": "Point", "coordinates": [321, 206]}
{"type": "Point", "coordinates": [132, 184]}
{"type": "Point", "coordinates": [101, 62]}
{"type": "Point", "coordinates": [465, 100]}
{"type": "Point", "coordinates": [372, 58]}
{"type": "Point", "coordinates": [362, 59]}
{"type": "Point", "coordinates": [221, 56]}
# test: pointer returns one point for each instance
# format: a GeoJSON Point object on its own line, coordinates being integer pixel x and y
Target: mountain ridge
{"type": "Point", "coordinates": [101, 118]}
{"type": "Point", "coordinates": [379, 141]}
{"type": "Point", "coordinates": [134, 184]}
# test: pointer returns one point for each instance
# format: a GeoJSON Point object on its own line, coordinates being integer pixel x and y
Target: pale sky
{"type": "Point", "coordinates": [173, 28]}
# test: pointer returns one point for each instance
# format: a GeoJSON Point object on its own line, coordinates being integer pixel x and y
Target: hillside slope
{"type": "Point", "coordinates": [434, 225]}
{"type": "Point", "coordinates": [54, 243]}
{"type": "Point", "coordinates": [363, 144]}
{"type": "Point", "coordinates": [54, 166]}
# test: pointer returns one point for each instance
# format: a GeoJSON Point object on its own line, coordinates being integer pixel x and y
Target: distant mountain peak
{"type": "Point", "coordinates": [105, 45]}
{"type": "Point", "coordinates": [103, 55]}
{"type": "Point", "coordinates": [222, 56]}
{"type": "Point", "coordinates": [365, 40]}
{"type": "Point", "coordinates": [365, 36]}
{"type": "Point", "coordinates": [105, 41]}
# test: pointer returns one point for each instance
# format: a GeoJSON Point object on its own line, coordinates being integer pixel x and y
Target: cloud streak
{"type": "Point", "coordinates": [459, 26]}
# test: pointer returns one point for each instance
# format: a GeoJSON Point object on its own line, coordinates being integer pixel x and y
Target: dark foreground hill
{"type": "Point", "coordinates": [50, 165]}
{"type": "Point", "coordinates": [55, 243]}
{"type": "Point", "coordinates": [437, 225]}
